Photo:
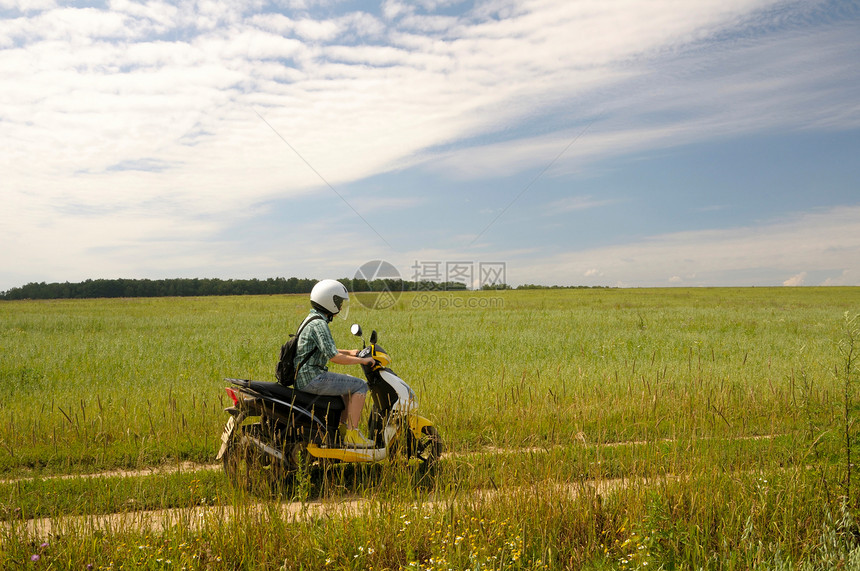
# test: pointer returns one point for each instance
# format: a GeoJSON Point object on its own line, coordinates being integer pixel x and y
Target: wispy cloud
{"type": "Point", "coordinates": [577, 203]}
{"type": "Point", "coordinates": [786, 251]}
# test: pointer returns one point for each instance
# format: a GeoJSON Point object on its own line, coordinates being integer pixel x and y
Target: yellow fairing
{"type": "Point", "coordinates": [383, 358]}
{"type": "Point", "coordinates": [416, 423]}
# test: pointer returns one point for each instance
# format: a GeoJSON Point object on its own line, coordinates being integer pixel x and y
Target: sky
{"type": "Point", "coordinates": [622, 143]}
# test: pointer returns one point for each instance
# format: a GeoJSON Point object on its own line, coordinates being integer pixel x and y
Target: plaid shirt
{"type": "Point", "coordinates": [315, 340]}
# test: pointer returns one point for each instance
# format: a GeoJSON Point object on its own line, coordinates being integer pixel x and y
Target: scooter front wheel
{"type": "Point", "coordinates": [427, 447]}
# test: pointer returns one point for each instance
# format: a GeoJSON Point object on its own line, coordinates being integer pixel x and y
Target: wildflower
{"type": "Point", "coordinates": [35, 557]}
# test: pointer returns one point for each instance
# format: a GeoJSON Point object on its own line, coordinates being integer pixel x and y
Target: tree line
{"type": "Point", "coordinates": [194, 287]}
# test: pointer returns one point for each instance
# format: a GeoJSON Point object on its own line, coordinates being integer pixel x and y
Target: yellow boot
{"type": "Point", "coordinates": [354, 438]}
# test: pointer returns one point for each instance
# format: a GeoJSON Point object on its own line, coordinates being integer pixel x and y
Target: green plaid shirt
{"type": "Point", "coordinates": [315, 340]}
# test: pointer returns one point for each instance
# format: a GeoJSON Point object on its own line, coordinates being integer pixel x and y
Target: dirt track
{"type": "Point", "coordinates": [197, 517]}
{"type": "Point", "coordinates": [151, 471]}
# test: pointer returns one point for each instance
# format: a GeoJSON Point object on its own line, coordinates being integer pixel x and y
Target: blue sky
{"type": "Point", "coordinates": [617, 143]}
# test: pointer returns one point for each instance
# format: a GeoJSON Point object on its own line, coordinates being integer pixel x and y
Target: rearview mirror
{"type": "Point", "coordinates": [356, 329]}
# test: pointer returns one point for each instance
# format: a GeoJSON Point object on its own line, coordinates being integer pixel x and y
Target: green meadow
{"type": "Point", "coordinates": [590, 428]}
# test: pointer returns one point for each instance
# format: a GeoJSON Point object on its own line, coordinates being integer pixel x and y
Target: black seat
{"type": "Point", "coordinates": [300, 398]}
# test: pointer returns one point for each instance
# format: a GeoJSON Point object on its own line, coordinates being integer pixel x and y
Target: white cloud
{"type": "Point", "coordinates": [826, 242]}
{"type": "Point", "coordinates": [576, 203]}
{"type": "Point", "coordinates": [27, 5]}
{"type": "Point", "coordinates": [849, 277]}
{"type": "Point", "coordinates": [392, 9]}
{"type": "Point", "coordinates": [796, 280]}
{"type": "Point", "coordinates": [792, 82]}
{"type": "Point", "coordinates": [317, 30]}
{"type": "Point", "coordinates": [439, 88]}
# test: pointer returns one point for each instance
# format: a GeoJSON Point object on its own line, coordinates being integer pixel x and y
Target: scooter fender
{"type": "Point", "coordinates": [417, 423]}
{"type": "Point", "coordinates": [236, 418]}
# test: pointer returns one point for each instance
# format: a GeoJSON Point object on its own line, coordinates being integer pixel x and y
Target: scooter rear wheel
{"type": "Point", "coordinates": [245, 465]}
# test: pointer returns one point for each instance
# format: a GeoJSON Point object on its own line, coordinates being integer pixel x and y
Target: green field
{"type": "Point", "coordinates": [605, 429]}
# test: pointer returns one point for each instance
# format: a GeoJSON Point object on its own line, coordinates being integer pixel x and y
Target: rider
{"type": "Point", "coordinates": [317, 346]}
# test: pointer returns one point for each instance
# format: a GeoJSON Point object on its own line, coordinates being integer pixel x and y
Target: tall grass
{"type": "Point", "coordinates": [676, 428]}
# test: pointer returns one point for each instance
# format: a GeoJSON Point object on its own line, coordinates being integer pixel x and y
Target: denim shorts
{"type": "Point", "coordinates": [335, 384]}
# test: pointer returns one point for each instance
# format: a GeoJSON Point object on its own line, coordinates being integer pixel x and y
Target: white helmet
{"type": "Point", "coordinates": [329, 295]}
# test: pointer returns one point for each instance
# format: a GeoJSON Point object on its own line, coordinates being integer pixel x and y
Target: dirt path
{"type": "Point", "coordinates": [199, 516]}
{"type": "Point", "coordinates": [149, 471]}
{"type": "Point", "coordinates": [190, 518]}
{"type": "Point", "coordinates": [185, 467]}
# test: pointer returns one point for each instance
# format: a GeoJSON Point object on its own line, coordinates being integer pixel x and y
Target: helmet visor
{"type": "Point", "coordinates": [342, 306]}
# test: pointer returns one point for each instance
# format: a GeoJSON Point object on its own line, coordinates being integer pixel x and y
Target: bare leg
{"type": "Point", "coordinates": [343, 415]}
{"type": "Point", "coordinates": [353, 410]}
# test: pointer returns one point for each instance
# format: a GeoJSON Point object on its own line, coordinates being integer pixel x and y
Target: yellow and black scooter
{"type": "Point", "coordinates": [273, 430]}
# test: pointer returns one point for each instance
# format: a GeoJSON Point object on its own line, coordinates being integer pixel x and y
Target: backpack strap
{"type": "Point", "coordinates": [311, 354]}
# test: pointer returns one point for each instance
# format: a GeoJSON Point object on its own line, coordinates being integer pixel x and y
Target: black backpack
{"type": "Point", "coordinates": [286, 372]}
